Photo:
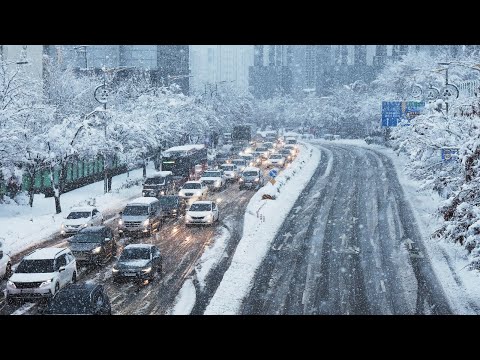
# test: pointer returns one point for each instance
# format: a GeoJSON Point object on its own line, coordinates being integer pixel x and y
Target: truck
{"type": "Point", "coordinates": [241, 137]}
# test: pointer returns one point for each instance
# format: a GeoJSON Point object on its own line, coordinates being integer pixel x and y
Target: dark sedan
{"type": "Point", "coordinates": [138, 261]}
{"type": "Point", "coordinates": [80, 299]}
{"type": "Point", "coordinates": [93, 245]}
{"type": "Point", "coordinates": [172, 206]}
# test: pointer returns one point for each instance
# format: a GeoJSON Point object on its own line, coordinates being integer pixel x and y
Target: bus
{"type": "Point", "coordinates": [181, 160]}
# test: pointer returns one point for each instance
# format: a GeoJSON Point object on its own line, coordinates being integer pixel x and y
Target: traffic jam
{"type": "Point", "coordinates": [136, 261]}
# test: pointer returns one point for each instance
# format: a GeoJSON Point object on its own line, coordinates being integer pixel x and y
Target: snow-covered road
{"type": "Point", "coordinates": [350, 245]}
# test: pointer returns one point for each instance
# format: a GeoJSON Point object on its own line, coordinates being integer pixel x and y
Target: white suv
{"type": "Point", "coordinates": [41, 274]}
{"type": "Point", "coordinates": [80, 217]}
{"type": "Point", "coordinates": [5, 263]}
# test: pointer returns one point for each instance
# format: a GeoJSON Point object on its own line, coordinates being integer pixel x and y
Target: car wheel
{"type": "Point", "coordinates": [74, 277]}
{"type": "Point", "coordinates": [8, 271]}
{"type": "Point", "coordinates": [57, 287]}
{"type": "Point", "coordinates": [114, 250]}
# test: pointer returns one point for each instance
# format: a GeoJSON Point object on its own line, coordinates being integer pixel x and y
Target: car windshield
{"type": "Point", "coordinates": [239, 162]}
{"type": "Point", "coordinates": [155, 181]}
{"type": "Point", "coordinates": [227, 167]}
{"type": "Point", "coordinates": [168, 200]}
{"type": "Point", "coordinates": [137, 210]}
{"type": "Point", "coordinates": [211, 174]}
{"type": "Point", "coordinates": [135, 254]}
{"type": "Point", "coordinates": [35, 266]}
{"type": "Point", "coordinates": [191, 186]}
{"type": "Point", "coordinates": [250, 173]}
{"type": "Point", "coordinates": [78, 215]}
{"type": "Point", "coordinates": [89, 237]}
{"type": "Point", "coordinates": [276, 157]}
{"type": "Point", "coordinates": [261, 149]}
{"type": "Point", "coordinates": [66, 302]}
{"type": "Point", "coordinates": [200, 207]}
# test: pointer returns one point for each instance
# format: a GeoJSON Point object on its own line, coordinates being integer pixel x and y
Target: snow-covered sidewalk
{"type": "Point", "coordinates": [22, 226]}
{"type": "Point", "coordinates": [263, 219]}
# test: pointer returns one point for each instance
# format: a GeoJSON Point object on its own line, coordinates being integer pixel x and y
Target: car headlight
{"type": "Point", "coordinates": [97, 250]}
{"type": "Point", "coordinates": [241, 179]}
{"type": "Point", "coordinates": [147, 270]}
{"type": "Point", "coordinates": [46, 283]}
{"type": "Point", "coordinates": [85, 225]}
{"type": "Point", "coordinates": [257, 179]}
{"type": "Point", "coordinates": [146, 222]}
{"type": "Point", "coordinates": [217, 182]}
{"type": "Point", "coordinates": [63, 226]}
{"type": "Point", "coordinates": [114, 270]}
{"type": "Point", "coordinates": [144, 193]}
{"type": "Point", "coordinates": [120, 222]}
{"type": "Point", "coordinates": [11, 284]}
{"type": "Point", "coordinates": [174, 210]}
{"type": "Point", "coordinates": [188, 217]}
{"type": "Point", "coordinates": [162, 192]}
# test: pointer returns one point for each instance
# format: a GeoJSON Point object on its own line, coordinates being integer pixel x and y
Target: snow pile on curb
{"type": "Point", "coordinates": [263, 218]}
{"type": "Point", "coordinates": [185, 300]}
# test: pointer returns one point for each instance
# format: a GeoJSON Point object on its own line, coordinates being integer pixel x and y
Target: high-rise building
{"type": "Point", "coordinates": [166, 64]}
{"type": "Point", "coordinates": [212, 65]}
{"type": "Point", "coordinates": [271, 73]}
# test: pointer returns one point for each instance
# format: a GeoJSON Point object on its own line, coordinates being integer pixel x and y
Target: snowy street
{"type": "Point", "coordinates": [350, 246]}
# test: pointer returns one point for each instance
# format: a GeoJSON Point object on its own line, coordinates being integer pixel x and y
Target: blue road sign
{"type": "Point", "coordinates": [449, 154]}
{"type": "Point", "coordinates": [394, 112]}
{"type": "Point", "coordinates": [273, 173]}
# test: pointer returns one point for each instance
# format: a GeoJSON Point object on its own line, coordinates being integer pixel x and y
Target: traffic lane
{"type": "Point", "coordinates": [363, 267]}
{"type": "Point", "coordinates": [181, 247]}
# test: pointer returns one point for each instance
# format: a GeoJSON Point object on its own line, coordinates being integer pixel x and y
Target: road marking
{"type": "Point", "coordinates": [23, 309]}
{"type": "Point", "coordinates": [382, 285]}
{"type": "Point", "coordinates": [409, 243]}
{"type": "Point", "coordinates": [297, 209]}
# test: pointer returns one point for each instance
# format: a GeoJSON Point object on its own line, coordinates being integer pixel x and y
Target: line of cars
{"type": "Point", "coordinates": [45, 273]}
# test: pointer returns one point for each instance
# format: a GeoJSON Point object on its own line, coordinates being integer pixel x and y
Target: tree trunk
{"type": "Point", "coordinates": [144, 168]}
{"type": "Point", "coordinates": [56, 192]}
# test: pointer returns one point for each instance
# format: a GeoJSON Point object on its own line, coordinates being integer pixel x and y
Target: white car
{"type": "Point", "coordinates": [241, 164]}
{"type": "Point", "coordinates": [193, 190]}
{"type": "Point", "coordinates": [214, 179]}
{"type": "Point", "coordinates": [80, 217]}
{"type": "Point", "coordinates": [41, 274]}
{"type": "Point", "coordinates": [202, 212]}
{"type": "Point", "coordinates": [276, 160]}
{"type": "Point", "coordinates": [230, 172]}
{"type": "Point", "coordinates": [5, 263]}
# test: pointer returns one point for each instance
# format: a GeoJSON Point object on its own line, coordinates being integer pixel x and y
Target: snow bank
{"type": "Point", "coordinates": [185, 299]}
{"type": "Point", "coordinates": [22, 226]}
{"type": "Point", "coordinates": [263, 218]}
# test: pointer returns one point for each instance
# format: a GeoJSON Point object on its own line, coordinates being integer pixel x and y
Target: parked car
{"type": "Point", "coordinates": [193, 190]}
{"type": "Point", "coordinates": [80, 217]}
{"type": "Point", "coordinates": [214, 179]}
{"type": "Point", "coordinates": [252, 178]}
{"type": "Point", "coordinates": [41, 274]}
{"type": "Point", "coordinates": [276, 160]}
{"type": "Point", "coordinates": [140, 216]}
{"type": "Point", "coordinates": [138, 261]}
{"type": "Point", "coordinates": [230, 172]}
{"type": "Point", "coordinates": [172, 206]}
{"type": "Point", "coordinates": [80, 299]}
{"type": "Point", "coordinates": [158, 184]}
{"type": "Point", "coordinates": [93, 245]}
{"type": "Point", "coordinates": [5, 263]}
{"type": "Point", "coordinates": [202, 212]}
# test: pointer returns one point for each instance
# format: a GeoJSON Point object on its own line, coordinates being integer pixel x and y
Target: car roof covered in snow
{"type": "Point", "coordinates": [143, 201]}
{"type": "Point", "coordinates": [185, 147]}
{"type": "Point", "coordinates": [251, 168]}
{"type": "Point", "coordinates": [82, 208]}
{"type": "Point", "coordinates": [138, 246]}
{"type": "Point", "coordinates": [45, 253]}
{"type": "Point", "coordinates": [193, 182]}
{"type": "Point", "coordinates": [203, 202]}
{"type": "Point", "coordinates": [159, 174]}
